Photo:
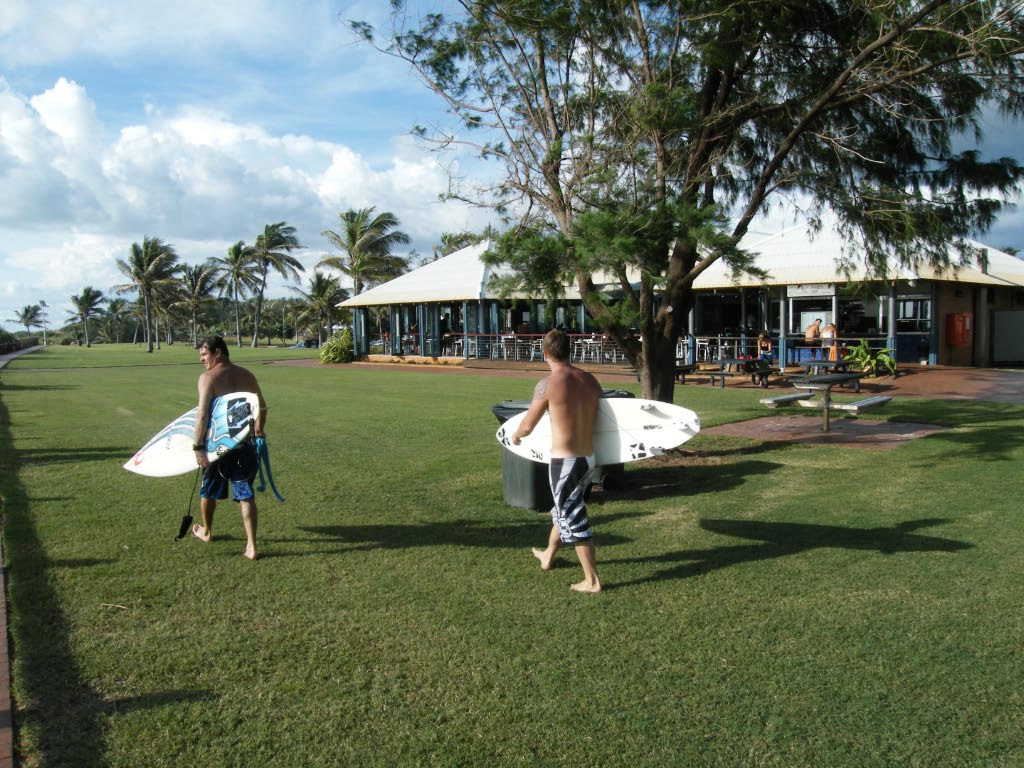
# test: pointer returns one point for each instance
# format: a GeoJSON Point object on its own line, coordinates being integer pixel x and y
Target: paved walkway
{"type": "Point", "coordinates": [4, 359]}
{"type": "Point", "coordinates": [991, 385]}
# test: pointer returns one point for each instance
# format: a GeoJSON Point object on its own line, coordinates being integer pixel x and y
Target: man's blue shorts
{"type": "Point", "coordinates": [236, 468]}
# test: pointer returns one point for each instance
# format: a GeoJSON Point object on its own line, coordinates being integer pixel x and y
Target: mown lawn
{"type": "Point", "coordinates": [765, 604]}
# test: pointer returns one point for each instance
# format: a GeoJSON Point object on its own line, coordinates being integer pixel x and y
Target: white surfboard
{"type": "Point", "coordinates": [627, 429]}
{"type": "Point", "coordinates": [169, 452]}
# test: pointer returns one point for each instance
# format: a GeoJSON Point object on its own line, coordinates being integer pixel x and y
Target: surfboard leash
{"type": "Point", "coordinates": [186, 521]}
{"type": "Point", "coordinates": [263, 460]}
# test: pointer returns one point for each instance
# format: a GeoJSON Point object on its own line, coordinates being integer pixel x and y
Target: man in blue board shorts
{"type": "Point", "coordinates": [237, 468]}
{"type": "Point", "coordinates": [570, 396]}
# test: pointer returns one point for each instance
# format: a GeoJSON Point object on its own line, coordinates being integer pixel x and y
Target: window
{"type": "Point", "coordinates": [913, 314]}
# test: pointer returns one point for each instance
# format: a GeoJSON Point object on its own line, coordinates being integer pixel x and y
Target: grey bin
{"type": "Point", "coordinates": [525, 483]}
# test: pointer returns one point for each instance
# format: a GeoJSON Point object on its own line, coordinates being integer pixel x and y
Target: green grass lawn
{"type": "Point", "coordinates": [765, 604]}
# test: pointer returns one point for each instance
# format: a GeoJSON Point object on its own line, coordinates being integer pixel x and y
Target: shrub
{"type": "Point", "coordinates": [338, 348]}
{"type": "Point", "coordinates": [873, 362]}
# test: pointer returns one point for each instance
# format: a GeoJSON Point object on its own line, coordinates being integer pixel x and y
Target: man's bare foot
{"type": "Point", "coordinates": [250, 554]}
{"type": "Point", "coordinates": [587, 587]}
{"type": "Point", "coordinates": [544, 557]}
{"type": "Point", "coordinates": [201, 533]}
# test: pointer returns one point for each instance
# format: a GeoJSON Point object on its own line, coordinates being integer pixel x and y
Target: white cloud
{"type": "Point", "coordinates": [54, 271]}
{"type": "Point", "coordinates": [44, 33]}
{"type": "Point", "coordinates": [75, 194]}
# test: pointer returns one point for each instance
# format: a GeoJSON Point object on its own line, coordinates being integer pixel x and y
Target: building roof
{"type": "Point", "coordinates": [459, 276]}
{"type": "Point", "coordinates": [796, 256]}
{"type": "Point", "coordinates": [793, 256]}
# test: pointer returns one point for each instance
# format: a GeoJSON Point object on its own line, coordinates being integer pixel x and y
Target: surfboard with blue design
{"type": "Point", "coordinates": [169, 451]}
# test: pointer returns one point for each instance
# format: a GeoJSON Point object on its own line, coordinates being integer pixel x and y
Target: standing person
{"type": "Point", "coordinates": [570, 396]}
{"type": "Point", "coordinates": [828, 341]}
{"type": "Point", "coordinates": [238, 467]}
{"type": "Point", "coordinates": [812, 336]}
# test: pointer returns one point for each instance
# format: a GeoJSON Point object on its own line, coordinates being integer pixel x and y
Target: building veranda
{"type": "Point", "coordinates": [971, 316]}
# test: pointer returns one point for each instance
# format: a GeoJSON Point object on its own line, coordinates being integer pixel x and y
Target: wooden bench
{"type": "Point", "coordinates": [760, 376]}
{"type": "Point", "coordinates": [723, 375]}
{"type": "Point", "coordinates": [775, 402]}
{"type": "Point", "coordinates": [757, 376]}
{"type": "Point", "coordinates": [682, 370]}
{"type": "Point", "coordinates": [863, 405]}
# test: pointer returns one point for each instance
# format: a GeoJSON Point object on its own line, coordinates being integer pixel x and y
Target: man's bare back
{"type": "Point", "coordinates": [227, 378]}
{"type": "Point", "coordinates": [569, 395]}
{"type": "Point", "coordinates": [222, 377]}
{"type": "Point", "coordinates": [572, 397]}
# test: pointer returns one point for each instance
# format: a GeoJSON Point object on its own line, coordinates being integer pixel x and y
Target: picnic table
{"type": "Point", "coordinates": [682, 368]}
{"type": "Point", "coordinates": [824, 384]}
{"type": "Point", "coordinates": [738, 366]}
{"type": "Point", "coordinates": [817, 367]}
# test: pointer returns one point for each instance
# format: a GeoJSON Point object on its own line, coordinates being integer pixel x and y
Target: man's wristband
{"type": "Point", "coordinates": [199, 447]}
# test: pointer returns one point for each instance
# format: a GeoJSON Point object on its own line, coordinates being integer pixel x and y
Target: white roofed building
{"type": "Point", "coordinates": [973, 315]}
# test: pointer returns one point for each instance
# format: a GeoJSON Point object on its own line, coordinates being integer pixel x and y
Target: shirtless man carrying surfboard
{"type": "Point", "coordinates": [570, 396]}
{"type": "Point", "coordinates": [237, 468]}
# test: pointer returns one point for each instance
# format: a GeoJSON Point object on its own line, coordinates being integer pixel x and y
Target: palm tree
{"type": "Point", "coordinates": [455, 241]}
{"type": "Point", "coordinates": [30, 316]}
{"type": "Point", "coordinates": [87, 305]}
{"type": "Point", "coordinates": [150, 266]}
{"type": "Point", "coordinates": [44, 306]}
{"type": "Point", "coordinates": [195, 288]}
{"type": "Point", "coordinates": [117, 309]}
{"type": "Point", "coordinates": [272, 251]}
{"type": "Point", "coordinates": [367, 241]}
{"type": "Point", "coordinates": [239, 276]}
{"type": "Point", "coordinates": [323, 294]}
{"type": "Point", "coordinates": [165, 309]}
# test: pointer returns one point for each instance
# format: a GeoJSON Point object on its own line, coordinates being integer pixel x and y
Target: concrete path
{"type": "Point", "coordinates": [6, 358]}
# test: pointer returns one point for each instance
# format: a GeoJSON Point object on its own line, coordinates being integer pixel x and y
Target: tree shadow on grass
{"type": "Point", "coordinates": [8, 387]}
{"type": "Point", "coordinates": [51, 695]}
{"type": "Point", "coordinates": [783, 539]}
{"type": "Point", "coordinates": [990, 428]}
{"type": "Point", "coordinates": [73, 455]}
{"type": "Point", "coordinates": [994, 442]}
{"type": "Point", "coordinates": [459, 533]}
{"type": "Point", "coordinates": [688, 479]}
{"type": "Point", "coordinates": [155, 700]}
{"type": "Point", "coordinates": [80, 562]}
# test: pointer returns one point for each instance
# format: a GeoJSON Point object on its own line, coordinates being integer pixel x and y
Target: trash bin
{"type": "Point", "coordinates": [525, 483]}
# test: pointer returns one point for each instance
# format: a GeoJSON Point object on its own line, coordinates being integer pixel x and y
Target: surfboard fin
{"type": "Point", "coordinates": [186, 525]}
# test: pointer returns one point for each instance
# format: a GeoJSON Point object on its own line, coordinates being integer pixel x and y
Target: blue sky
{"type": "Point", "coordinates": [201, 122]}
{"type": "Point", "coordinates": [198, 123]}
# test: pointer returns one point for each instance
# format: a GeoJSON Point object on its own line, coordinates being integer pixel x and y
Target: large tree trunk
{"type": "Point", "coordinates": [258, 314]}
{"type": "Point", "coordinates": [656, 367]}
{"type": "Point", "coordinates": [149, 323]}
{"type": "Point", "coordinates": [238, 322]}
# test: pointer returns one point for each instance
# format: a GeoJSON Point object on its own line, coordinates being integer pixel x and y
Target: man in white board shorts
{"type": "Point", "coordinates": [570, 396]}
{"type": "Point", "coordinates": [237, 468]}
